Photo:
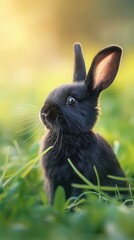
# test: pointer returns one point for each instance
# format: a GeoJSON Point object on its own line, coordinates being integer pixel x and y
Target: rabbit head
{"type": "Point", "coordinates": [73, 107]}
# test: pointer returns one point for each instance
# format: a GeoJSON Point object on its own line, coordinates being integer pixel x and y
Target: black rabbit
{"type": "Point", "coordinates": [69, 113]}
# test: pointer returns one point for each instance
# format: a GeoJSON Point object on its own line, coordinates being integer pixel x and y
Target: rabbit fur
{"type": "Point", "coordinates": [69, 113]}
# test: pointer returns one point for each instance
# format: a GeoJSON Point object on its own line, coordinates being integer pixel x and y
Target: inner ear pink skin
{"type": "Point", "coordinates": [102, 72]}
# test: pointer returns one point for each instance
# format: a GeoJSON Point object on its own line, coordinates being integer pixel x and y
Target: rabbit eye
{"type": "Point", "coordinates": [72, 101]}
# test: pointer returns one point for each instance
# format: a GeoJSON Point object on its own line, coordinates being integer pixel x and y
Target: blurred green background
{"type": "Point", "coordinates": [36, 55]}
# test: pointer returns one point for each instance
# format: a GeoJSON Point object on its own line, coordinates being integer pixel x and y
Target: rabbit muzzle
{"type": "Point", "coordinates": [49, 115]}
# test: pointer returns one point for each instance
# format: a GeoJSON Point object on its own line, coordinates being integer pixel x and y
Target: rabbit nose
{"type": "Point", "coordinates": [45, 110]}
{"type": "Point", "coordinates": [48, 112]}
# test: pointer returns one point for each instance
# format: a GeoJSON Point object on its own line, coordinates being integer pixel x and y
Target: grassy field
{"type": "Point", "coordinates": [24, 210]}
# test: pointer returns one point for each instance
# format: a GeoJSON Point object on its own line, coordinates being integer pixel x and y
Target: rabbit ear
{"type": "Point", "coordinates": [79, 64]}
{"type": "Point", "coordinates": [104, 68]}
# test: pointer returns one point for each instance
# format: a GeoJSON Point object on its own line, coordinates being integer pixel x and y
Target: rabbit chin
{"type": "Point", "coordinates": [52, 125]}
{"type": "Point", "coordinates": [58, 127]}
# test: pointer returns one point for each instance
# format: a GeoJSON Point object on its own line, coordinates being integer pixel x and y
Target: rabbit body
{"type": "Point", "coordinates": [70, 112]}
{"type": "Point", "coordinates": [85, 151]}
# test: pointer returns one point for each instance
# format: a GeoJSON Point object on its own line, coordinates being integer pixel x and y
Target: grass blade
{"type": "Point", "coordinates": [79, 174]}
{"type": "Point", "coordinates": [102, 188]}
{"type": "Point", "coordinates": [117, 178]}
{"type": "Point", "coordinates": [32, 162]}
{"type": "Point", "coordinates": [5, 166]}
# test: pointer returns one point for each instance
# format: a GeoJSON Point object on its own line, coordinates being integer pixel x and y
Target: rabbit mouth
{"type": "Point", "coordinates": [49, 115]}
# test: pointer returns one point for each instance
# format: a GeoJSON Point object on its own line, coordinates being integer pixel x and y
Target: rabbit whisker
{"type": "Point", "coordinates": [30, 130]}
{"type": "Point", "coordinates": [24, 120]}
{"type": "Point", "coordinates": [37, 130]}
{"type": "Point", "coordinates": [28, 127]}
{"type": "Point", "coordinates": [58, 133]}
{"type": "Point", "coordinates": [38, 137]}
{"type": "Point", "coordinates": [60, 138]}
{"type": "Point", "coordinates": [67, 123]}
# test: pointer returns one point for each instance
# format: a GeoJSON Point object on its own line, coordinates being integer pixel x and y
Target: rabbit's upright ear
{"type": "Point", "coordinates": [104, 68]}
{"type": "Point", "coordinates": [79, 64]}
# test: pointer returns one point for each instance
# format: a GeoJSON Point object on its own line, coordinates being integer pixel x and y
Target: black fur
{"type": "Point", "coordinates": [70, 112]}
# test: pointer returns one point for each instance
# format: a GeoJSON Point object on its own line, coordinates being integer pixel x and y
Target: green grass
{"type": "Point", "coordinates": [24, 209]}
